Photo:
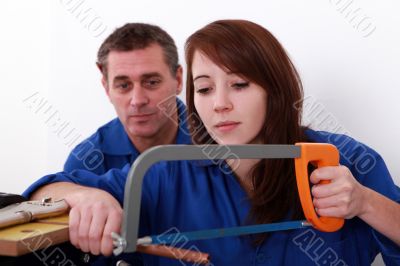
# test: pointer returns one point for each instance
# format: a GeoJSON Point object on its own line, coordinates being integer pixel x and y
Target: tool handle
{"type": "Point", "coordinates": [322, 154]}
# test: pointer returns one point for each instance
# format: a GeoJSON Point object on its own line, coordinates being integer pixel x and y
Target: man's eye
{"type": "Point", "coordinates": [203, 90]}
{"type": "Point", "coordinates": [152, 82]}
{"type": "Point", "coordinates": [240, 85]}
{"type": "Point", "coordinates": [123, 86]}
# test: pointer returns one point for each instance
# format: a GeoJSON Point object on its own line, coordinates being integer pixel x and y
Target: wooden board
{"type": "Point", "coordinates": [25, 238]}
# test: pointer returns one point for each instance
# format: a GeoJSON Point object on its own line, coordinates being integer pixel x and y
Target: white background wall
{"type": "Point", "coordinates": [345, 50]}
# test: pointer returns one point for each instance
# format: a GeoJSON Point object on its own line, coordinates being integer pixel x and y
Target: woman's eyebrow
{"type": "Point", "coordinates": [201, 76]}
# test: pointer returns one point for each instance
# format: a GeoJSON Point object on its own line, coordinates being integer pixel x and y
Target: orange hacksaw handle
{"type": "Point", "coordinates": [322, 154]}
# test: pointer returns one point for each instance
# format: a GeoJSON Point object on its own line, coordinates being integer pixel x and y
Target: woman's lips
{"type": "Point", "coordinates": [226, 126]}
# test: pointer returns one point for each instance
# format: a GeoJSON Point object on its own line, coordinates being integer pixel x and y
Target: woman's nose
{"type": "Point", "coordinates": [222, 102]}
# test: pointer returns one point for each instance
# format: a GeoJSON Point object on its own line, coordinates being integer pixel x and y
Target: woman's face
{"type": "Point", "coordinates": [232, 109]}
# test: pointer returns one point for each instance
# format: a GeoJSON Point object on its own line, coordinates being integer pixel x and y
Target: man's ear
{"type": "Point", "coordinates": [105, 85]}
{"type": "Point", "coordinates": [103, 78]}
{"type": "Point", "coordinates": [99, 66]}
{"type": "Point", "coordinates": [179, 79]}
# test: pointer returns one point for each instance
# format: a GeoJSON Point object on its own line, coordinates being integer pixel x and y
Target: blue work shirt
{"type": "Point", "coordinates": [110, 147]}
{"type": "Point", "coordinates": [191, 195]}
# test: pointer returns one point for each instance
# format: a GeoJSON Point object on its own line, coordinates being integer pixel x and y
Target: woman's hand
{"type": "Point", "coordinates": [343, 197]}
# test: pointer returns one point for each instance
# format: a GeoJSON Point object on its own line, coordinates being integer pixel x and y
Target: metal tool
{"type": "Point", "coordinates": [320, 154]}
{"type": "Point", "coordinates": [175, 238]}
{"type": "Point", "coordinates": [28, 211]}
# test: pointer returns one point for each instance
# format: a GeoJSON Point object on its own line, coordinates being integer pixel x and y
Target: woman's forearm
{"type": "Point", "coordinates": [383, 214]}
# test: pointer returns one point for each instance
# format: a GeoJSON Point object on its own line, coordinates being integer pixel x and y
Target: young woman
{"type": "Point", "coordinates": [243, 89]}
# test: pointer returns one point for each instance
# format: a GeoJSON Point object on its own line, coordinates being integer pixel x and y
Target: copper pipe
{"type": "Point", "coordinates": [175, 253]}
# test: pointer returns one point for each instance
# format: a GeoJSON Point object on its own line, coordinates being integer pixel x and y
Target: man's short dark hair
{"type": "Point", "coordinates": [133, 36]}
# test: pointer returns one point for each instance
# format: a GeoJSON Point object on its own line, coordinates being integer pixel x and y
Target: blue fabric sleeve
{"type": "Point", "coordinates": [368, 167]}
{"type": "Point", "coordinates": [381, 181]}
{"type": "Point", "coordinates": [384, 184]}
{"type": "Point", "coordinates": [371, 171]}
{"type": "Point", "coordinates": [112, 181]}
{"type": "Point", "coordinates": [390, 251]}
{"type": "Point", "coordinates": [86, 156]}
{"type": "Point", "coordinates": [72, 163]}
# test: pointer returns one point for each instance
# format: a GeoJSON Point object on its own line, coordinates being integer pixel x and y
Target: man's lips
{"type": "Point", "coordinates": [141, 115]}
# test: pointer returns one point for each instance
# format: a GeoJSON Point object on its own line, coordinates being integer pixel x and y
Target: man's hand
{"type": "Point", "coordinates": [93, 216]}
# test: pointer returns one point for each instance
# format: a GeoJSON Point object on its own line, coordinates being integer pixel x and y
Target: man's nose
{"type": "Point", "coordinates": [222, 102]}
{"type": "Point", "coordinates": [139, 97]}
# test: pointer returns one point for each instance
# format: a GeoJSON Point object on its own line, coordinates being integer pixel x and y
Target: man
{"type": "Point", "coordinates": [141, 77]}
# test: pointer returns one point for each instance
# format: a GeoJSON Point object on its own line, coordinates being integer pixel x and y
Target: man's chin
{"type": "Point", "coordinates": [142, 133]}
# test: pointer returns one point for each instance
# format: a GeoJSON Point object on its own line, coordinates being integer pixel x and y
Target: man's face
{"type": "Point", "coordinates": [138, 81]}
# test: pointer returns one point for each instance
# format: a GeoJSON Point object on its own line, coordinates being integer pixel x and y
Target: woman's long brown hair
{"type": "Point", "coordinates": [250, 50]}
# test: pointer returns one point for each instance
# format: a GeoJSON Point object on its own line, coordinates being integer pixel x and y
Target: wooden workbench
{"type": "Point", "coordinates": [43, 242]}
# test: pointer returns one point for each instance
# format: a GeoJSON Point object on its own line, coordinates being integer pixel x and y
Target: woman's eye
{"type": "Point", "coordinates": [203, 90]}
{"type": "Point", "coordinates": [240, 85]}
